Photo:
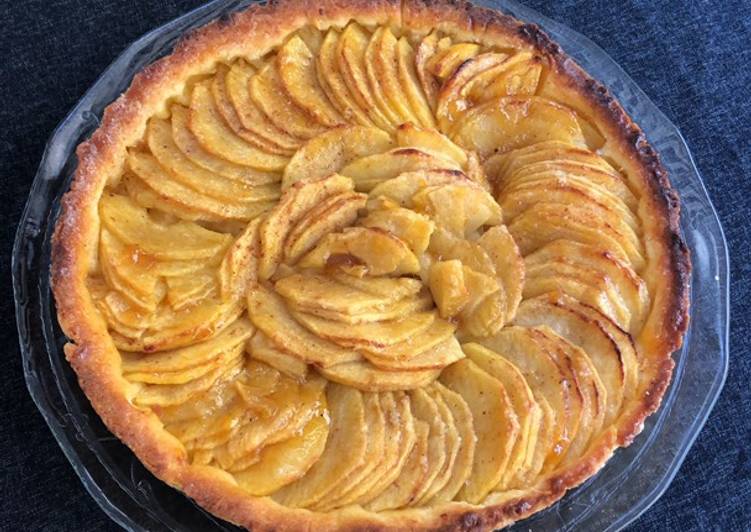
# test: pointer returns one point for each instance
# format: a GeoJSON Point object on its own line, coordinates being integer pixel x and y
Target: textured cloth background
{"type": "Point", "coordinates": [692, 58]}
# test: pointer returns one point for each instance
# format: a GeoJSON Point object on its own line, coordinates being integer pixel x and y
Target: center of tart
{"type": "Point", "coordinates": [371, 274]}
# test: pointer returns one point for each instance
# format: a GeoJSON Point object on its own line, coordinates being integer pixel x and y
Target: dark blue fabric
{"type": "Point", "coordinates": [691, 58]}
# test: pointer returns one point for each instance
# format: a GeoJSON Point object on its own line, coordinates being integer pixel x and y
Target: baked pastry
{"type": "Point", "coordinates": [383, 265]}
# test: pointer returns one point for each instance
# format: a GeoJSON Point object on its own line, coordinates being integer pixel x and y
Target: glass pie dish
{"type": "Point", "coordinates": [135, 499]}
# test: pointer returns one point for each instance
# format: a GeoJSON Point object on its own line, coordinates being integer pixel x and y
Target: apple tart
{"type": "Point", "coordinates": [370, 265]}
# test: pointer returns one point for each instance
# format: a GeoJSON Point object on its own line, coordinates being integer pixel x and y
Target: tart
{"type": "Point", "coordinates": [370, 265]}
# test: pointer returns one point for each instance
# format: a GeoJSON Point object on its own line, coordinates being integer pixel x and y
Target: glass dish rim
{"type": "Point", "coordinates": [217, 8]}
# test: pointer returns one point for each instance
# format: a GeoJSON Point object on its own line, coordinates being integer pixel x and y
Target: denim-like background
{"type": "Point", "coordinates": [691, 57]}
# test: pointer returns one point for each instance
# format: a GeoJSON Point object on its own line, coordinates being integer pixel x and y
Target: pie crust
{"type": "Point", "coordinates": [253, 33]}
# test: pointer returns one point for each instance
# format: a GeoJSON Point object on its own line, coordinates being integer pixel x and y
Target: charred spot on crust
{"type": "Point", "coordinates": [470, 521]}
{"type": "Point", "coordinates": [533, 34]}
{"type": "Point", "coordinates": [225, 19]}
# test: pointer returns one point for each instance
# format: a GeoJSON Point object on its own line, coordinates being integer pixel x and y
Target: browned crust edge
{"type": "Point", "coordinates": [93, 355]}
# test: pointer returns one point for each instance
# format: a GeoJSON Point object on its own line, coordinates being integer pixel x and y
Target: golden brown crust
{"type": "Point", "coordinates": [253, 32]}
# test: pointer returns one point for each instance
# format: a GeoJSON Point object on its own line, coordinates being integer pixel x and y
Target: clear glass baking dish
{"type": "Point", "coordinates": [630, 483]}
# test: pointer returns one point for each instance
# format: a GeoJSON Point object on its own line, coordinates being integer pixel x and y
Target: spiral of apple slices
{"type": "Point", "coordinates": [371, 289]}
{"type": "Point", "coordinates": [379, 269]}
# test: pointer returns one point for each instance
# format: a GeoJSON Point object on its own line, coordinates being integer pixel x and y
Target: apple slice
{"type": "Point", "coordinates": [448, 287]}
{"type": "Point", "coordinates": [583, 284]}
{"type": "Point", "coordinates": [297, 72]}
{"type": "Point", "coordinates": [399, 447]}
{"type": "Point", "coordinates": [179, 241]}
{"type": "Point", "coordinates": [121, 314]}
{"type": "Point", "coordinates": [562, 188]}
{"type": "Point", "coordinates": [487, 316]}
{"type": "Point", "coordinates": [453, 100]}
{"type": "Point", "coordinates": [375, 420]}
{"type": "Point", "coordinates": [126, 270]}
{"type": "Point", "coordinates": [268, 94]}
{"type": "Point", "coordinates": [292, 207]}
{"type": "Point", "coordinates": [344, 452]}
{"type": "Point", "coordinates": [186, 291]}
{"type": "Point", "coordinates": [411, 227]}
{"type": "Point", "coordinates": [630, 287]}
{"type": "Point", "coordinates": [149, 198]}
{"type": "Point", "coordinates": [284, 462]}
{"type": "Point", "coordinates": [610, 350]}
{"type": "Point", "coordinates": [525, 349]}
{"type": "Point", "coordinates": [113, 283]}
{"type": "Point", "coordinates": [274, 417]}
{"type": "Point", "coordinates": [410, 83]}
{"type": "Point", "coordinates": [546, 441]}
{"type": "Point", "coordinates": [139, 367]}
{"type": "Point", "coordinates": [625, 344]}
{"type": "Point", "coordinates": [508, 263]}
{"type": "Point", "coordinates": [162, 145]}
{"type": "Point", "coordinates": [425, 408]}
{"type": "Point", "coordinates": [370, 58]}
{"type": "Point", "coordinates": [582, 173]}
{"type": "Point", "coordinates": [402, 189]}
{"type": "Point", "coordinates": [430, 140]}
{"type": "Point", "coordinates": [524, 404]}
{"type": "Point", "coordinates": [386, 457]}
{"type": "Point", "coordinates": [256, 200]}
{"type": "Point", "coordinates": [390, 311]}
{"type": "Point", "coordinates": [427, 48]}
{"type": "Point", "coordinates": [544, 222]}
{"type": "Point", "coordinates": [378, 334]}
{"type": "Point", "coordinates": [364, 376]}
{"type": "Point", "coordinates": [262, 348]}
{"type": "Point", "coordinates": [403, 357]}
{"type": "Point", "coordinates": [462, 466]}
{"type": "Point", "coordinates": [471, 254]}
{"type": "Point", "coordinates": [169, 329]}
{"type": "Point", "coordinates": [239, 267]}
{"type": "Point", "coordinates": [308, 290]}
{"type": "Point", "coordinates": [403, 489]}
{"type": "Point", "coordinates": [370, 171]}
{"type": "Point", "coordinates": [495, 424]}
{"type": "Point", "coordinates": [382, 69]}
{"type": "Point", "coordinates": [331, 215]}
{"type": "Point", "coordinates": [216, 137]}
{"type": "Point", "coordinates": [461, 207]}
{"type": "Point", "coordinates": [192, 149]}
{"type": "Point", "coordinates": [191, 424]}
{"type": "Point", "coordinates": [377, 251]}
{"type": "Point", "coordinates": [464, 293]}
{"type": "Point", "coordinates": [229, 363]}
{"type": "Point", "coordinates": [332, 151]}
{"type": "Point", "coordinates": [452, 448]}
{"type": "Point", "coordinates": [381, 286]}
{"type": "Point", "coordinates": [351, 50]}
{"type": "Point", "coordinates": [431, 341]}
{"type": "Point", "coordinates": [333, 83]}
{"type": "Point", "coordinates": [592, 389]}
{"type": "Point", "coordinates": [548, 151]}
{"type": "Point", "coordinates": [518, 76]}
{"type": "Point", "coordinates": [512, 122]}
{"type": "Point", "coordinates": [446, 61]}
{"type": "Point", "coordinates": [268, 312]}
{"type": "Point", "coordinates": [228, 111]}
{"type": "Point", "coordinates": [237, 86]}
